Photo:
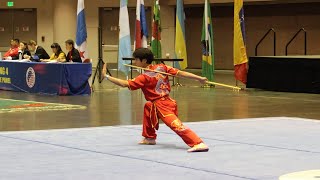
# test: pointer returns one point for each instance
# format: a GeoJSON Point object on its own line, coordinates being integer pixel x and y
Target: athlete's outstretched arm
{"type": "Point", "coordinates": [119, 82]}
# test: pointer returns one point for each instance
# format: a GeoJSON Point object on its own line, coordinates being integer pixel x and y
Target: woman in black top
{"type": "Point", "coordinates": [23, 50]}
{"type": "Point", "coordinates": [73, 53]}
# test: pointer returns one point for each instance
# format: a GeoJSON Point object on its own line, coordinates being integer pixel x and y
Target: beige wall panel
{"type": "Point", "coordinates": [56, 21]}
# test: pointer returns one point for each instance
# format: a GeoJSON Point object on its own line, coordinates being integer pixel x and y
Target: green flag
{"type": "Point", "coordinates": [156, 31]}
{"type": "Point", "coordinates": [207, 44]}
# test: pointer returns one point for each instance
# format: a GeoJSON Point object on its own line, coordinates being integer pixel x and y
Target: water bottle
{"type": "Point", "coordinates": [20, 55]}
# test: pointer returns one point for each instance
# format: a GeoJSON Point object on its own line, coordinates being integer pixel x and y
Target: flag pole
{"type": "Point", "coordinates": [157, 31]}
{"type": "Point", "coordinates": [207, 55]}
{"type": "Point", "coordinates": [118, 50]}
{"type": "Point", "coordinates": [154, 23]}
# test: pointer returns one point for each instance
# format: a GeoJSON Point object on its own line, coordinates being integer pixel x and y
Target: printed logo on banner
{"type": "Point", "coordinates": [30, 77]}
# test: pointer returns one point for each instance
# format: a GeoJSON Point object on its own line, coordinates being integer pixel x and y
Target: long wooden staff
{"type": "Point", "coordinates": [207, 82]}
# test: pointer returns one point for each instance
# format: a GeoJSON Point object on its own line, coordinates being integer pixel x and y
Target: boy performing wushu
{"type": "Point", "coordinates": [156, 89]}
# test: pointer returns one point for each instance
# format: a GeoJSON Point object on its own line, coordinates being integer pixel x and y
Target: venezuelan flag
{"type": "Point", "coordinates": [239, 47]}
{"type": "Point", "coordinates": [180, 42]}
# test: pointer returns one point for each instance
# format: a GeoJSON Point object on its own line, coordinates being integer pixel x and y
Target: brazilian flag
{"type": "Point", "coordinates": [207, 44]}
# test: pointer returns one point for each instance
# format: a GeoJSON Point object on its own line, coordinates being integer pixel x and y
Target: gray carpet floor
{"type": "Point", "coordinates": [260, 149]}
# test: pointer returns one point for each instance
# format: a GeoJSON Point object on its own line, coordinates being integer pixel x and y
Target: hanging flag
{"type": "Point", "coordinates": [141, 26]}
{"type": "Point", "coordinates": [207, 43]}
{"type": "Point", "coordinates": [180, 42]}
{"type": "Point", "coordinates": [156, 31]}
{"type": "Point", "coordinates": [124, 37]}
{"type": "Point", "coordinates": [81, 36]}
{"type": "Point", "coordinates": [239, 46]}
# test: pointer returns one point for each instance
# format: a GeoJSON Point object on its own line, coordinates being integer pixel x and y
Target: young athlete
{"type": "Point", "coordinates": [156, 89]}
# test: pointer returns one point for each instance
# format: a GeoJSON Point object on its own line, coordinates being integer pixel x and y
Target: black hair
{"type": "Point", "coordinates": [25, 43]}
{"type": "Point", "coordinates": [58, 47]}
{"type": "Point", "coordinates": [143, 53]}
{"type": "Point", "coordinates": [70, 41]}
{"type": "Point", "coordinates": [16, 40]}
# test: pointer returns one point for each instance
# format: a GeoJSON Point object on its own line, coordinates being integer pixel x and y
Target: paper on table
{"type": "Point", "coordinates": [24, 60]}
{"type": "Point", "coordinates": [52, 61]}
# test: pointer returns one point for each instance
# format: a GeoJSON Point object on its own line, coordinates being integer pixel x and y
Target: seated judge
{"type": "Point", "coordinates": [73, 53]}
{"type": "Point", "coordinates": [58, 55]}
{"type": "Point", "coordinates": [39, 52]}
{"type": "Point", "coordinates": [23, 49]}
{"type": "Point", "coordinates": [12, 53]}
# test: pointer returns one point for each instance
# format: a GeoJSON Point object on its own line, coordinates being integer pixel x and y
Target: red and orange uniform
{"type": "Point", "coordinates": [156, 89]}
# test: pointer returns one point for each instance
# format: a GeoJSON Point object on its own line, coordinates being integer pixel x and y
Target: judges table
{"type": "Point", "coordinates": [285, 73]}
{"type": "Point", "coordinates": [46, 78]}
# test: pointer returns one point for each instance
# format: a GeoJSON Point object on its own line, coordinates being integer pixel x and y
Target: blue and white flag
{"type": "Point", "coordinates": [124, 37]}
{"type": "Point", "coordinates": [81, 36]}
